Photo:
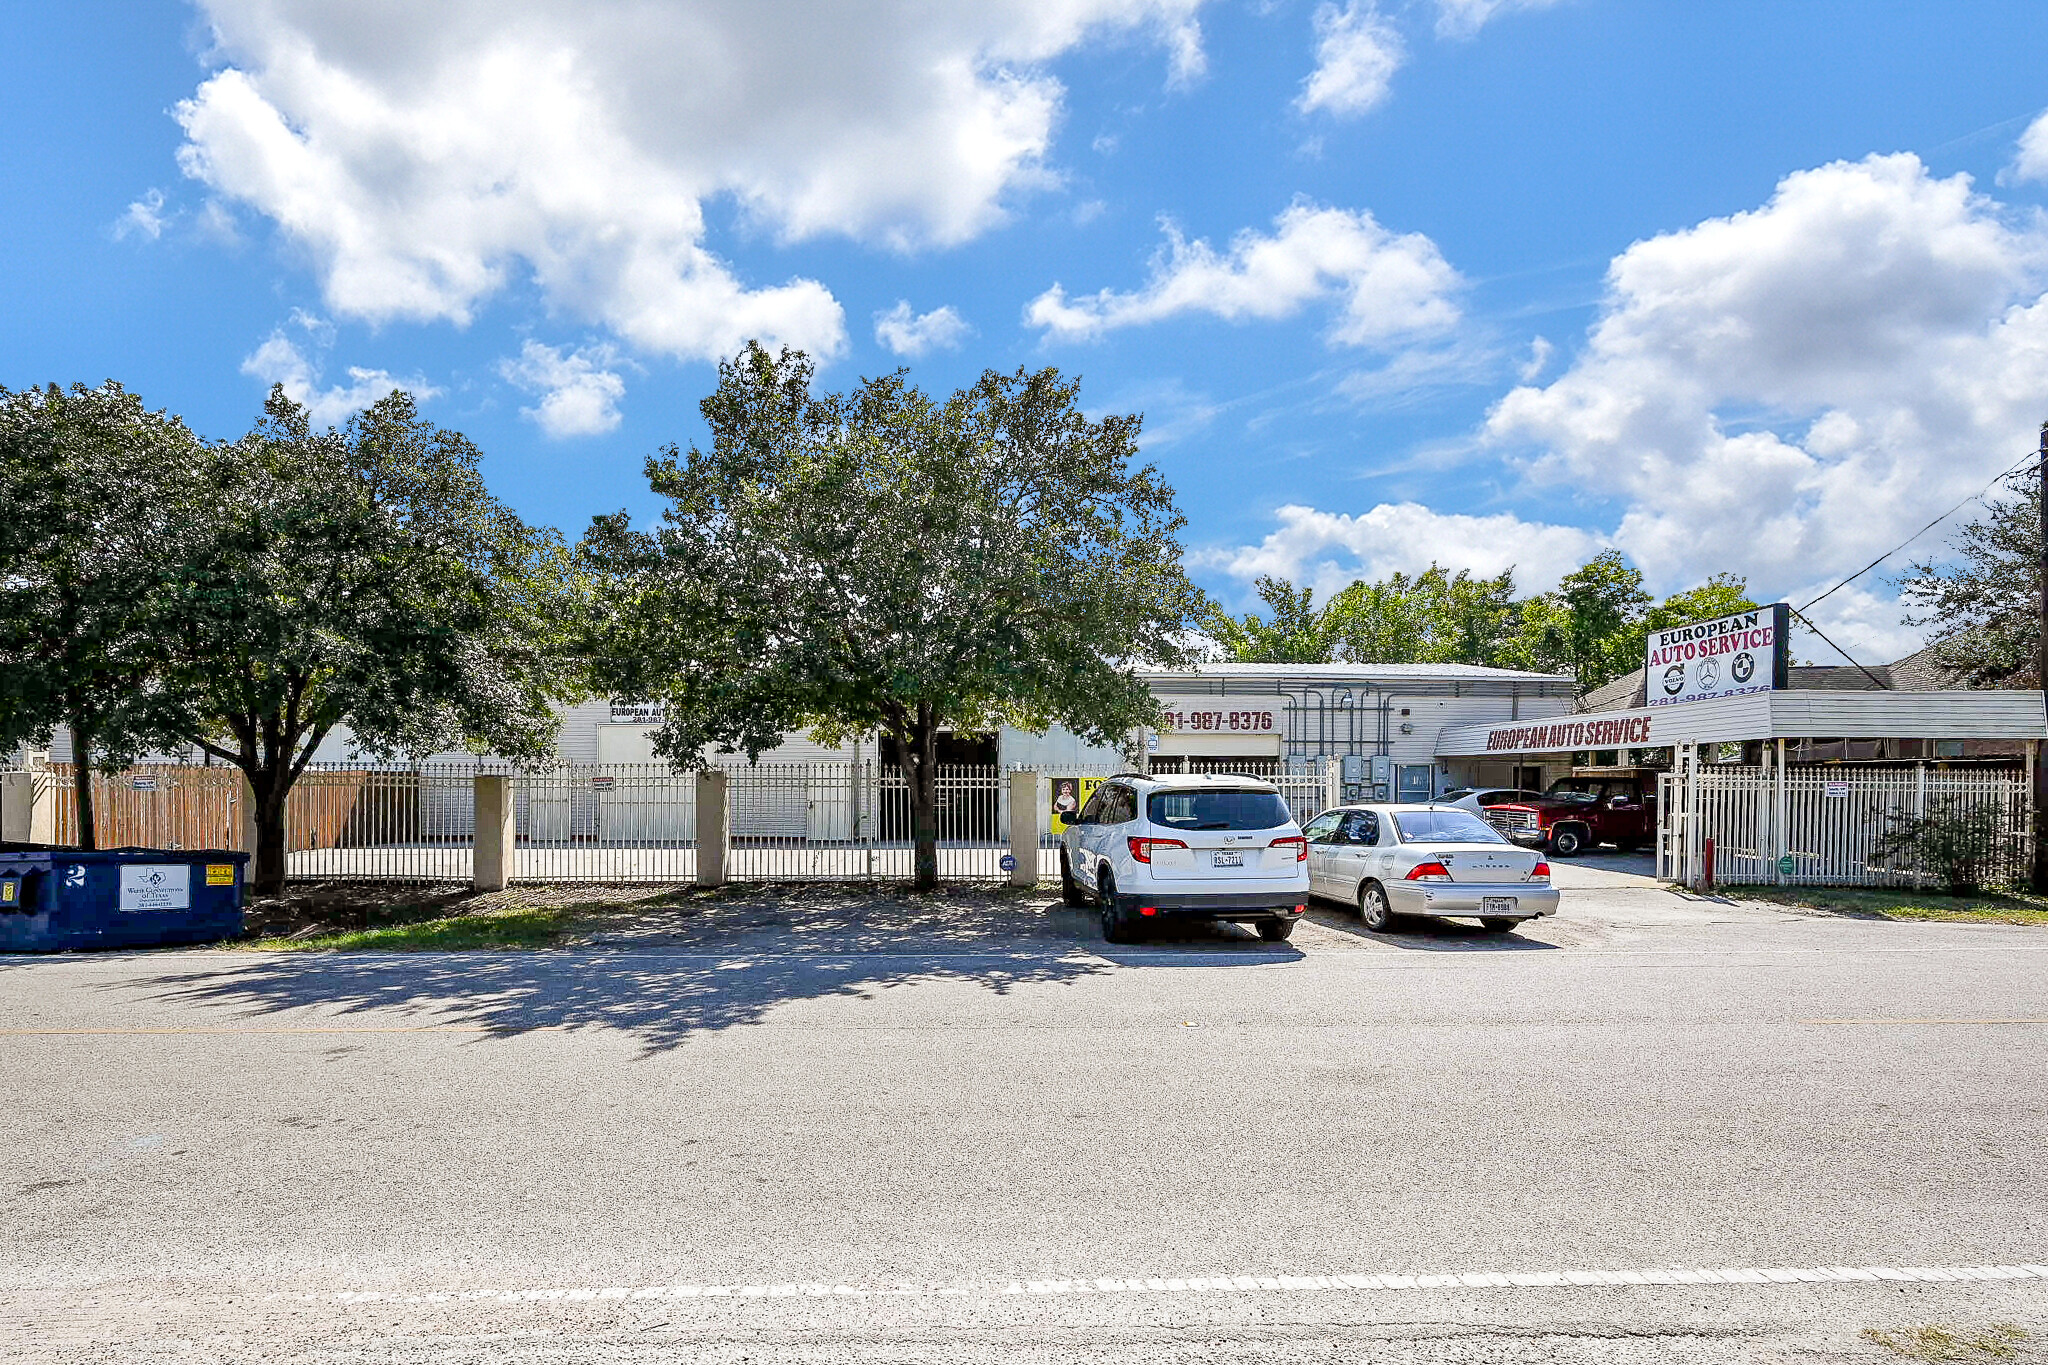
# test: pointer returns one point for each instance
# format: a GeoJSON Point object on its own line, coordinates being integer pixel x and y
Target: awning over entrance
{"type": "Point", "coordinates": [1764, 715]}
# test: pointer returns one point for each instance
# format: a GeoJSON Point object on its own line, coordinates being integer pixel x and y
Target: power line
{"type": "Point", "coordinates": [2030, 455]}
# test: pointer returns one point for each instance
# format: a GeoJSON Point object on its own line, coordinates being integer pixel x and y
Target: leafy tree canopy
{"type": "Point", "coordinates": [881, 560]}
{"type": "Point", "coordinates": [1985, 605]}
{"type": "Point", "coordinates": [360, 577]}
{"type": "Point", "coordinates": [88, 479]}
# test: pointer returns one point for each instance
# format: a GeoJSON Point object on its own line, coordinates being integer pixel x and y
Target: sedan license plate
{"type": "Point", "coordinates": [1497, 905]}
{"type": "Point", "coordinates": [1232, 858]}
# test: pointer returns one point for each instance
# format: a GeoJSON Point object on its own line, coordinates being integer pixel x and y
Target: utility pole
{"type": "Point", "coordinates": [2039, 879]}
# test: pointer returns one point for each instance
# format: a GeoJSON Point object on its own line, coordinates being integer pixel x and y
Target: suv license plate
{"type": "Point", "coordinates": [1233, 858]}
{"type": "Point", "coordinates": [1497, 905]}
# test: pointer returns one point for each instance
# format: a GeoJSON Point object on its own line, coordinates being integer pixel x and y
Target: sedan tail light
{"type": "Point", "coordinates": [1299, 841]}
{"type": "Point", "coordinates": [1141, 849]}
{"type": "Point", "coordinates": [1540, 872]}
{"type": "Point", "coordinates": [1428, 872]}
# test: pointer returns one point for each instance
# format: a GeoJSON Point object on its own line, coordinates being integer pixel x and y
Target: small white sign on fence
{"type": "Point", "coordinates": [1835, 789]}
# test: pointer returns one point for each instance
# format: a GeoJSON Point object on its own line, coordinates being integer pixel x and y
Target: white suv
{"type": "Point", "coordinates": [1205, 846]}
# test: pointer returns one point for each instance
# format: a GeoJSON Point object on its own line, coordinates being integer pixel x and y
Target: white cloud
{"type": "Point", "coordinates": [1541, 352]}
{"type": "Point", "coordinates": [1357, 53]}
{"type": "Point", "coordinates": [580, 139]}
{"type": "Point", "coordinates": [579, 396]}
{"type": "Point", "coordinates": [915, 334]}
{"type": "Point", "coordinates": [1330, 549]}
{"type": "Point", "coordinates": [2031, 161]}
{"type": "Point", "coordinates": [145, 217]}
{"type": "Point", "coordinates": [1463, 18]}
{"type": "Point", "coordinates": [281, 360]}
{"type": "Point", "coordinates": [1789, 392]}
{"type": "Point", "coordinates": [1388, 287]}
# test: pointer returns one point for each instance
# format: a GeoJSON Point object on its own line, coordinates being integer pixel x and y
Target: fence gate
{"type": "Point", "coordinates": [1822, 827]}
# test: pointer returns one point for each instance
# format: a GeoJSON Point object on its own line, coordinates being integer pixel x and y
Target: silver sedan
{"type": "Point", "coordinates": [1440, 861]}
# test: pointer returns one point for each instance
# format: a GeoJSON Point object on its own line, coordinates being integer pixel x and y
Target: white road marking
{"type": "Point", "coordinates": [1216, 1284]}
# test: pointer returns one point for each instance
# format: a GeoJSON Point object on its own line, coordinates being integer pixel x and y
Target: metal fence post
{"type": "Point", "coordinates": [496, 835]}
{"type": "Point", "coordinates": [1024, 828]}
{"type": "Point", "coordinates": [714, 826]}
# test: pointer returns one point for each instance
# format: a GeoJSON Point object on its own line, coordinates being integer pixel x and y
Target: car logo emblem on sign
{"type": "Point", "coordinates": [1674, 680]}
{"type": "Point", "coordinates": [1710, 674]}
{"type": "Point", "coordinates": [1744, 667]}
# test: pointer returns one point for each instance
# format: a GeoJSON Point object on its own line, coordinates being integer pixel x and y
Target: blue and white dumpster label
{"type": "Point", "coordinates": [156, 886]}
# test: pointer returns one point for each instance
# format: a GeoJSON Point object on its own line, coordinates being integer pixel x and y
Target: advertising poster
{"type": "Point", "coordinates": [1069, 794]}
{"type": "Point", "coordinates": [1726, 657]}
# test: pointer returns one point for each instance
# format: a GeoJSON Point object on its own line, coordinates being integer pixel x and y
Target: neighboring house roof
{"type": "Point", "coordinates": [1917, 672]}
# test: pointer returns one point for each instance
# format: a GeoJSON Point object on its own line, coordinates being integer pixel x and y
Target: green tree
{"type": "Point", "coordinates": [365, 578]}
{"type": "Point", "coordinates": [88, 481]}
{"type": "Point", "coordinates": [881, 561]}
{"type": "Point", "coordinates": [1591, 626]}
{"type": "Point", "coordinates": [1985, 605]}
{"type": "Point", "coordinates": [1434, 617]}
{"type": "Point", "coordinates": [1294, 632]}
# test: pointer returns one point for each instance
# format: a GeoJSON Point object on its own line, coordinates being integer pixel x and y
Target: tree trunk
{"type": "Point", "coordinates": [922, 769]}
{"type": "Point", "coordinates": [81, 786]}
{"type": "Point", "coordinates": [270, 794]}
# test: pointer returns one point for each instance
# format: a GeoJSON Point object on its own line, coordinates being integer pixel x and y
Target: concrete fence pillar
{"type": "Point", "coordinates": [245, 814]}
{"type": "Point", "coordinates": [28, 807]}
{"type": "Point", "coordinates": [1024, 829]}
{"type": "Point", "coordinates": [496, 835]}
{"type": "Point", "coordinates": [714, 827]}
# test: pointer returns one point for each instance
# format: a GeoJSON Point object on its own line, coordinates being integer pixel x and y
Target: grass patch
{"type": "Point", "coordinates": [1901, 903]}
{"type": "Point", "coordinates": [519, 928]}
{"type": "Point", "coordinates": [1934, 1342]}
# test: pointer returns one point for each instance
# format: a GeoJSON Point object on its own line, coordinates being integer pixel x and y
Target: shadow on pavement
{"type": "Point", "coordinates": [1427, 935]}
{"type": "Point", "coordinates": [662, 1001]}
{"type": "Point", "coordinates": [1181, 943]}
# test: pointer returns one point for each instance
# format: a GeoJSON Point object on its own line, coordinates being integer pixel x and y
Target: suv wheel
{"type": "Point", "coordinates": [1116, 922]}
{"type": "Point", "coordinates": [1070, 890]}
{"type": "Point", "coordinates": [1374, 909]}
{"type": "Point", "coordinates": [1275, 930]}
{"type": "Point", "coordinates": [1499, 924]}
{"type": "Point", "coordinates": [1568, 841]}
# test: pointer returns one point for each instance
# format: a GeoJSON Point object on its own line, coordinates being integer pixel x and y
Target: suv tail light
{"type": "Point", "coordinates": [1300, 842]}
{"type": "Point", "coordinates": [1141, 849]}
{"type": "Point", "coordinates": [1540, 872]}
{"type": "Point", "coordinates": [1428, 872]}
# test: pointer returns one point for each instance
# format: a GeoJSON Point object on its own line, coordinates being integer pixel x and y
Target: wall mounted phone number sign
{"type": "Point", "coordinates": [1223, 722]}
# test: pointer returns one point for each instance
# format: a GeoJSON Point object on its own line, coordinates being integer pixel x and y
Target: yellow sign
{"type": "Point", "coordinates": [7, 891]}
{"type": "Point", "coordinates": [1069, 794]}
{"type": "Point", "coordinates": [220, 874]}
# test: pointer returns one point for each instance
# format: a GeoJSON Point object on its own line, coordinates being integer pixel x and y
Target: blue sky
{"type": "Point", "coordinates": [1753, 287]}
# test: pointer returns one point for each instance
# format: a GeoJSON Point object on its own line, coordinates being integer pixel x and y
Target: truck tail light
{"type": "Point", "coordinates": [1540, 872]}
{"type": "Point", "coordinates": [1299, 841]}
{"type": "Point", "coordinates": [1141, 849]}
{"type": "Point", "coordinates": [1428, 872]}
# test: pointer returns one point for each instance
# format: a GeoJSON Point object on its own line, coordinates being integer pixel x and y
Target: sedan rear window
{"type": "Point", "coordinates": [1444, 826]}
{"type": "Point", "coordinates": [1217, 810]}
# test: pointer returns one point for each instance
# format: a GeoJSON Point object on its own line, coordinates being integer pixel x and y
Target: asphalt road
{"type": "Point", "coordinates": [1037, 1147]}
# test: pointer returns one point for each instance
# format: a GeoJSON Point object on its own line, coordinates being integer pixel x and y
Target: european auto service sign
{"type": "Point", "coordinates": [1726, 657]}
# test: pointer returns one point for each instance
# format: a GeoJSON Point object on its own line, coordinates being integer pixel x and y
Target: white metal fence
{"type": "Point", "coordinates": [614, 822]}
{"type": "Point", "coordinates": [1830, 824]}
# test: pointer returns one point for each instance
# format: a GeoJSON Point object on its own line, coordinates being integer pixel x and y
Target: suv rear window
{"type": "Point", "coordinates": [1217, 810]}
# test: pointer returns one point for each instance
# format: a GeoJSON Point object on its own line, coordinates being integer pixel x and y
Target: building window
{"type": "Point", "coordinates": [1948, 748]}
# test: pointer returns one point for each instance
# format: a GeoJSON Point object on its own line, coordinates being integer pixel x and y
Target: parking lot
{"type": "Point", "coordinates": [894, 1129]}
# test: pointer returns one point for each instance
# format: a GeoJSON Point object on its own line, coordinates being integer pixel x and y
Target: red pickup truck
{"type": "Point", "coordinates": [1579, 813]}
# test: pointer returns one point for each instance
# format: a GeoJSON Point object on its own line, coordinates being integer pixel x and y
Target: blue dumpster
{"type": "Point", "coordinates": [56, 899]}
